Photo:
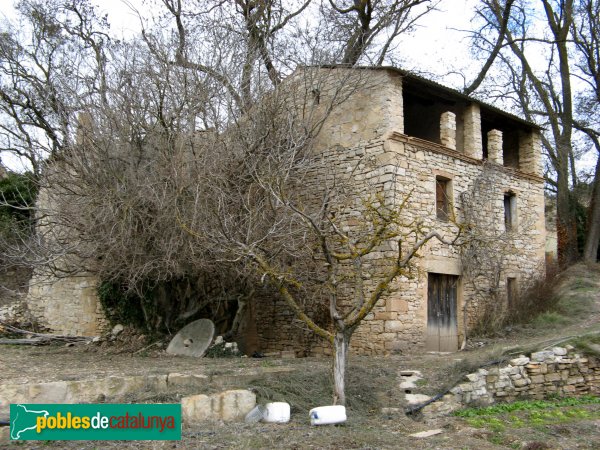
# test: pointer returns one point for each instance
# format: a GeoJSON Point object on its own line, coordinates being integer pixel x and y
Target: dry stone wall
{"type": "Point", "coordinates": [559, 371]}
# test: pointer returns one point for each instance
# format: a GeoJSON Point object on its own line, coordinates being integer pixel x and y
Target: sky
{"type": "Point", "coordinates": [436, 48]}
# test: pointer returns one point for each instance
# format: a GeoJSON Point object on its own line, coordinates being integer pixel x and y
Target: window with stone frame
{"type": "Point", "coordinates": [443, 195]}
{"type": "Point", "coordinates": [510, 211]}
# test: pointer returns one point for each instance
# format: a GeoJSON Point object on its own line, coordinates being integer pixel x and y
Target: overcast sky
{"type": "Point", "coordinates": [436, 46]}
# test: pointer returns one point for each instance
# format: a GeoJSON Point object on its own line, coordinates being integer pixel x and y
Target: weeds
{"type": "Point", "coordinates": [530, 413]}
{"type": "Point", "coordinates": [550, 318]}
{"type": "Point", "coordinates": [528, 405]}
{"type": "Point", "coordinates": [304, 389]}
{"type": "Point", "coordinates": [556, 300]}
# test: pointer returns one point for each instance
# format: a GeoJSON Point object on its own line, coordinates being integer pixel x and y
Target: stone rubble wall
{"type": "Point", "coordinates": [228, 405]}
{"type": "Point", "coordinates": [559, 371]}
{"type": "Point", "coordinates": [13, 291]}
{"type": "Point", "coordinates": [68, 306]}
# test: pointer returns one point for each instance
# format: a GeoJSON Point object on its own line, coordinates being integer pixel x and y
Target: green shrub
{"type": "Point", "coordinates": [123, 306]}
{"type": "Point", "coordinates": [18, 193]}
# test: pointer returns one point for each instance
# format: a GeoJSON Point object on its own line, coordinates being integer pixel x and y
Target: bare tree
{"type": "Point", "coordinates": [244, 44]}
{"type": "Point", "coordinates": [44, 74]}
{"type": "Point", "coordinates": [545, 94]}
{"type": "Point", "coordinates": [586, 35]}
{"type": "Point", "coordinates": [356, 26]}
{"type": "Point", "coordinates": [292, 215]}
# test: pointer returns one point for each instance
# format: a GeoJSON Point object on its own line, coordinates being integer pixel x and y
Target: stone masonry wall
{"type": "Point", "coordinates": [399, 322]}
{"type": "Point", "coordinates": [67, 305]}
{"type": "Point", "coordinates": [383, 159]}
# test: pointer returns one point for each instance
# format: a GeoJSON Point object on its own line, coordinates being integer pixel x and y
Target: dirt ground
{"type": "Point", "coordinates": [372, 384]}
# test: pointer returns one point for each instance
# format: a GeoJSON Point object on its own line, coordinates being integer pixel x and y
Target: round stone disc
{"type": "Point", "coordinates": [193, 339]}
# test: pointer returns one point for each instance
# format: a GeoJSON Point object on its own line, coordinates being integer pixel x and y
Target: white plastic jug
{"type": "Point", "coordinates": [277, 412]}
{"type": "Point", "coordinates": [327, 415]}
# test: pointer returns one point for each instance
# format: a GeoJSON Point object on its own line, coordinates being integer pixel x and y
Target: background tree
{"type": "Point", "coordinates": [547, 89]}
{"type": "Point", "coordinates": [539, 93]}
{"type": "Point", "coordinates": [586, 35]}
{"type": "Point", "coordinates": [48, 62]}
{"type": "Point", "coordinates": [367, 30]}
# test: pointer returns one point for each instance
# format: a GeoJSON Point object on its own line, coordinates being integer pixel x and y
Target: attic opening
{"type": "Point", "coordinates": [423, 110]}
{"type": "Point", "coordinates": [420, 121]}
{"type": "Point", "coordinates": [510, 138]}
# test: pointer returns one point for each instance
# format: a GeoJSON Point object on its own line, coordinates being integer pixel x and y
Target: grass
{"type": "Point", "coordinates": [503, 417]}
{"type": "Point", "coordinates": [528, 405]}
{"type": "Point", "coordinates": [551, 318]}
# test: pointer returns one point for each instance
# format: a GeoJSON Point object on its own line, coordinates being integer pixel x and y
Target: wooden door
{"type": "Point", "coordinates": [442, 324]}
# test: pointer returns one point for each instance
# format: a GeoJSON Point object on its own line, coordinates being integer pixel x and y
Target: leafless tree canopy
{"type": "Point", "coordinates": [547, 70]}
{"type": "Point", "coordinates": [122, 134]}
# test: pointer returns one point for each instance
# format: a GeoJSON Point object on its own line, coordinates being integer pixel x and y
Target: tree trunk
{"type": "Point", "coordinates": [592, 235]}
{"type": "Point", "coordinates": [566, 225]}
{"type": "Point", "coordinates": [340, 357]}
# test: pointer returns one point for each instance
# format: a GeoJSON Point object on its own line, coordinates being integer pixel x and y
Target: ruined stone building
{"type": "Point", "coordinates": [416, 136]}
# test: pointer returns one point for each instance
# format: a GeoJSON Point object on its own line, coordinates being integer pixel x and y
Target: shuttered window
{"type": "Point", "coordinates": [442, 195]}
{"type": "Point", "coordinates": [510, 211]}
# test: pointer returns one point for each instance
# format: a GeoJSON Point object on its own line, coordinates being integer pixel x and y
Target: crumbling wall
{"type": "Point", "coordinates": [13, 290]}
{"type": "Point", "coordinates": [68, 306]}
{"type": "Point", "coordinates": [560, 371]}
{"type": "Point", "coordinates": [66, 303]}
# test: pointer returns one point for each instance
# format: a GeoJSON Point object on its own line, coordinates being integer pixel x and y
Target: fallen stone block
{"type": "Point", "coordinates": [542, 356]}
{"type": "Point", "coordinates": [227, 406]}
{"type": "Point", "coordinates": [186, 380]}
{"type": "Point", "coordinates": [520, 361]}
{"type": "Point", "coordinates": [426, 434]}
{"type": "Point", "coordinates": [416, 399]}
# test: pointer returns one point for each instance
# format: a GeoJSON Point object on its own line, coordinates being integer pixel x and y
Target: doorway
{"type": "Point", "coordinates": [442, 323]}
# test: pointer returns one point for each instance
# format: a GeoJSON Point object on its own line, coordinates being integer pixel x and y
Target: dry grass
{"type": "Point", "coordinates": [370, 386]}
{"type": "Point", "coordinates": [558, 300]}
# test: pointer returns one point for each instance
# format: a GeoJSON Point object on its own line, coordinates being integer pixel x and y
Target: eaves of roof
{"type": "Point", "coordinates": [440, 87]}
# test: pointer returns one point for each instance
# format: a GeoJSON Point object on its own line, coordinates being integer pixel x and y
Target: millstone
{"type": "Point", "coordinates": [193, 339]}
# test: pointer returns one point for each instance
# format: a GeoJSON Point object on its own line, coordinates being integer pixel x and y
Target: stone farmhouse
{"type": "Point", "coordinates": [410, 134]}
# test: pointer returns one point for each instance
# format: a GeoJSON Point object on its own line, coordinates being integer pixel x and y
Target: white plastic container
{"type": "Point", "coordinates": [256, 415]}
{"type": "Point", "coordinates": [327, 415]}
{"type": "Point", "coordinates": [277, 412]}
